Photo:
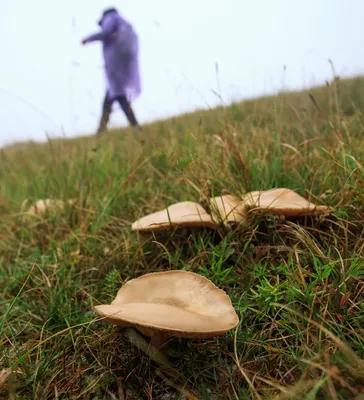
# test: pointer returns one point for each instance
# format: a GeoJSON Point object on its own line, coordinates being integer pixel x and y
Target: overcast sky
{"type": "Point", "coordinates": [50, 83]}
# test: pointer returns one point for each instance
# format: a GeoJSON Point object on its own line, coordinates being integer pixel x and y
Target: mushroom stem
{"type": "Point", "coordinates": [158, 340]}
{"type": "Point", "coordinates": [149, 350]}
{"type": "Point", "coordinates": [161, 359]}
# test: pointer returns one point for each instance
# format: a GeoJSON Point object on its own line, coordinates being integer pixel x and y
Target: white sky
{"type": "Point", "coordinates": [50, 83]}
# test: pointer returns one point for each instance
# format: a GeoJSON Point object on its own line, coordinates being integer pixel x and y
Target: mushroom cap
{"type": "Point", "coordinates": [228, 208]}
{"type": "Point", "coordinates": [177, 303]}
{"type": "Point", "coordinates": [42, 206]}
{"type": "Point", "coordinates": [184, 214]}
{"type": "Point", "coordinates": [282, 201]}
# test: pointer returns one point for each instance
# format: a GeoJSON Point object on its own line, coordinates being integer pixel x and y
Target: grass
{"type": "Point", "coordinates": [297, 285]}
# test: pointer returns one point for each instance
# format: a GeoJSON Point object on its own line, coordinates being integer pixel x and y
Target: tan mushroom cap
{"type": "Point", "coordinates": [41, 206]}
{"type": "Point", "coordinates": [228, 208]}
{"type": "Point", "coordinates": [173, 303]}
{"type": "Point", "coordinates": [183, 214]}
{"type": "Point", "coordinates": [282, 201]}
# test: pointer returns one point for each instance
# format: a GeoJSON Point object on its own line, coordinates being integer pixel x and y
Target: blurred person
{"type": "Point", "coordinates": [120, 51]}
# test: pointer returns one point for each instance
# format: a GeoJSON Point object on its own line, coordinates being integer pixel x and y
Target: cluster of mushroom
{"type": "Point", "coordinates": [180, 303]}
{"type": "Point", "coordinates": [45, 205]}
{"type": "Point", "coordinates": [228, 209]}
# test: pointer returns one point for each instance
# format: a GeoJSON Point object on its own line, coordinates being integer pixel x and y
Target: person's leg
{"type": "Point", "coordinates": [106, 111]}
{"type": "Point", "coordinates": [126, 107]}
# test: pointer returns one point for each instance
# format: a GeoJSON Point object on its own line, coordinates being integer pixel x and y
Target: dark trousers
{"type": "Point", "coordinates": [106, 111]}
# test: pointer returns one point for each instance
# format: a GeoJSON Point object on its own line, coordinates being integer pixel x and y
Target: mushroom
{"type": "Point", "coordinates": [228, 208]}
{"type": "Point", "coordinates": [173, 303]}
{"type": "Point", "coordinates": [184, 214]}
{"type": "Point", "coordinates": [41, 206]}
{"type": "Point", "coordinates": [282, 201]}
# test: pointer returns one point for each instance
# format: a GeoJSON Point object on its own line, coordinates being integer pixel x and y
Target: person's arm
{"type": "Point", "coordinates": [109, 27]}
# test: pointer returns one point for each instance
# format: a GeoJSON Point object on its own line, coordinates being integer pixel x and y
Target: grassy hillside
{"type": "Point", "coordinates": [297, 285]}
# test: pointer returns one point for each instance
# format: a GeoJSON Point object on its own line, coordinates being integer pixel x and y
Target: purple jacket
{"type": "Point", "coordinates": [120, 50]}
